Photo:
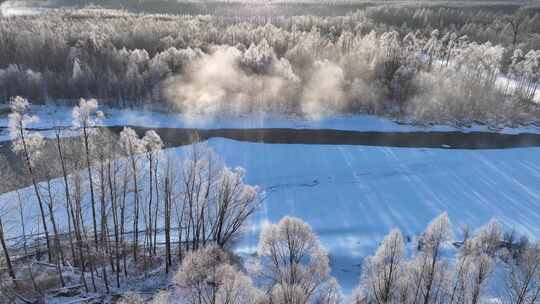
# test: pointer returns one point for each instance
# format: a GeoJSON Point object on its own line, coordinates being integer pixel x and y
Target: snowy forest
{"type": "Point", "coordinates": [102, 204]}
{"type": "Point", "coordinates": [427, 65]}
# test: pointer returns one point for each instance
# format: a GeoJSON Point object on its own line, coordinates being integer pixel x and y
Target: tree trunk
{"type": "Point", "coordinates": [67, 195]}
{"type": "Point", "coordinates": [167, 226]}
{"type": "Point", "coordinates": [36, 191]}
{"type": "Point", "coordinates": [136, 210]}
{"type": "Point", "coordinates": [115, 220]}
{"type": "Point", "coordinates": [91, 182]}
{"type": "Point", "coordinates": [59, 252]}
{"type": "Point", "coordinates": [6, 252]}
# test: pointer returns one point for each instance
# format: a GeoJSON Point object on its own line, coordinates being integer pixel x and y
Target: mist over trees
{"type": "Point", "coordinates": [421, 64]}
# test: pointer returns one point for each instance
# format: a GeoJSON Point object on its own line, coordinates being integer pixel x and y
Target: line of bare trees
{"type": "Point", "coordinates": [110, 202]}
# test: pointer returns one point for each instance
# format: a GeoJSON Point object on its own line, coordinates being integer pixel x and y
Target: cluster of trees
{"type": "Point", "coordinates": [306, 65]}
{"type": "Point", "coordinates": [431, 276]}
{"type": "Point", "coordinates": [107, 200]}
{"type": "Point", "coordinates": [291, 267]}
{"type": "Point", "coordinates": [502, 25]}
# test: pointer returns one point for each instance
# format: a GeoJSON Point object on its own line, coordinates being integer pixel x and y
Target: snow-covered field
{"type": "Point", "coordinates": [353, 195]}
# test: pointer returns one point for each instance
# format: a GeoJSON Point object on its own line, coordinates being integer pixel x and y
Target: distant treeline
{"type": "Point", "coordinates": [282, 7]}
{"type": "Point", "coordinates": [426, 64]}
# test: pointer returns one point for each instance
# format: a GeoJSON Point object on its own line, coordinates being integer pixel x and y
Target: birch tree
{"type": "Point", "coordinates": [428, 269]}
{"type": "Point", "coordinates": [132, 147]}
{"type": "Point", "coordinates": [523, 277]}
{"type": "Point", "coordinates": [85, 116]}
{"type": "Point", "coordinates": [381, 272]}
{"type": "Point", "coordinates": [152, 144]}
{"type": "Point", "coordinates": [28, 144]}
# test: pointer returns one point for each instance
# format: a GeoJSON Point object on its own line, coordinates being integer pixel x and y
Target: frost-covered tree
{"type": "Point", "coordinates": [293, 261]}
{"type": "Point", "coordinates": [433, 48]}
{"type": "Point", "coordinates": [474, 265]}
{"type": "Point", "coordinates": [381, 272]}
{"type": "Point", "coordinates": [524, 72]}
{"type": "Point", "coordinates": [432, 275]}
{"type": "Point", "coordinates": [85, 116]}
{"type": "Point", "coordinates": [152, 145]}
{"type": "Point", "coordinates": [428, 269]}
{"type": "Point", "coordinates": [236, 287]}
{"type": "Point", "coordinates": [523, 277]}
{"type": "Point", "coordinates": [132, 147]}
{"type": "Point", "coordinates": [29, 145]}
{"type": "Point", "coordinates": [234, 203]}
{"type": "Point", "coordinates": [258, 58]}
{"type": "Point", "coordinates": [198, 181]}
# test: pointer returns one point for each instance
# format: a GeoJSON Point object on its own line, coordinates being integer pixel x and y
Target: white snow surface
{"type": "Point", "coordinates": [353, 196]}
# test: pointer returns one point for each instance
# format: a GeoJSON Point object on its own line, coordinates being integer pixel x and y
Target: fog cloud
{"type": "Point", "coordinates": [226, 82]}
{"type": "Point", "coordinates": [216, 83]}
{"type": "Point", "coordinates": [323, 93]}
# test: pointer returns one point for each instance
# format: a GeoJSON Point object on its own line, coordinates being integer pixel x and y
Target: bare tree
{"type": "Point", "coordinates": [84, 117]}
{"type": "Point", "coordinates": [428, 270]}
{"type": "Point", "coordinates": [517, 22]}
{"type": "Point", "coordinates": [234, 203]}
{"type": "Point", "coordinates": [198, 175]}
{"type": "Point", "coordinates": [49, 172]}
{"type": "Point", "coordinates": [523, 277]}
{"type": "Point", "coordinates": [28, 144]}
{"type": "Point", "coordinates": [68, 205]}
{"type": "Point", "coordinates": [482, 250]}
{"type": "Point", "coordinates": [167, 207]}
{"type": "Point", "coordinates": [132, 146]}
{"type": "Point", "coordinates": [380, 273]}
{"type": "Point", "coordinates": [5, 251]}
{"type": "Point", "coordinates": [152, 145]}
